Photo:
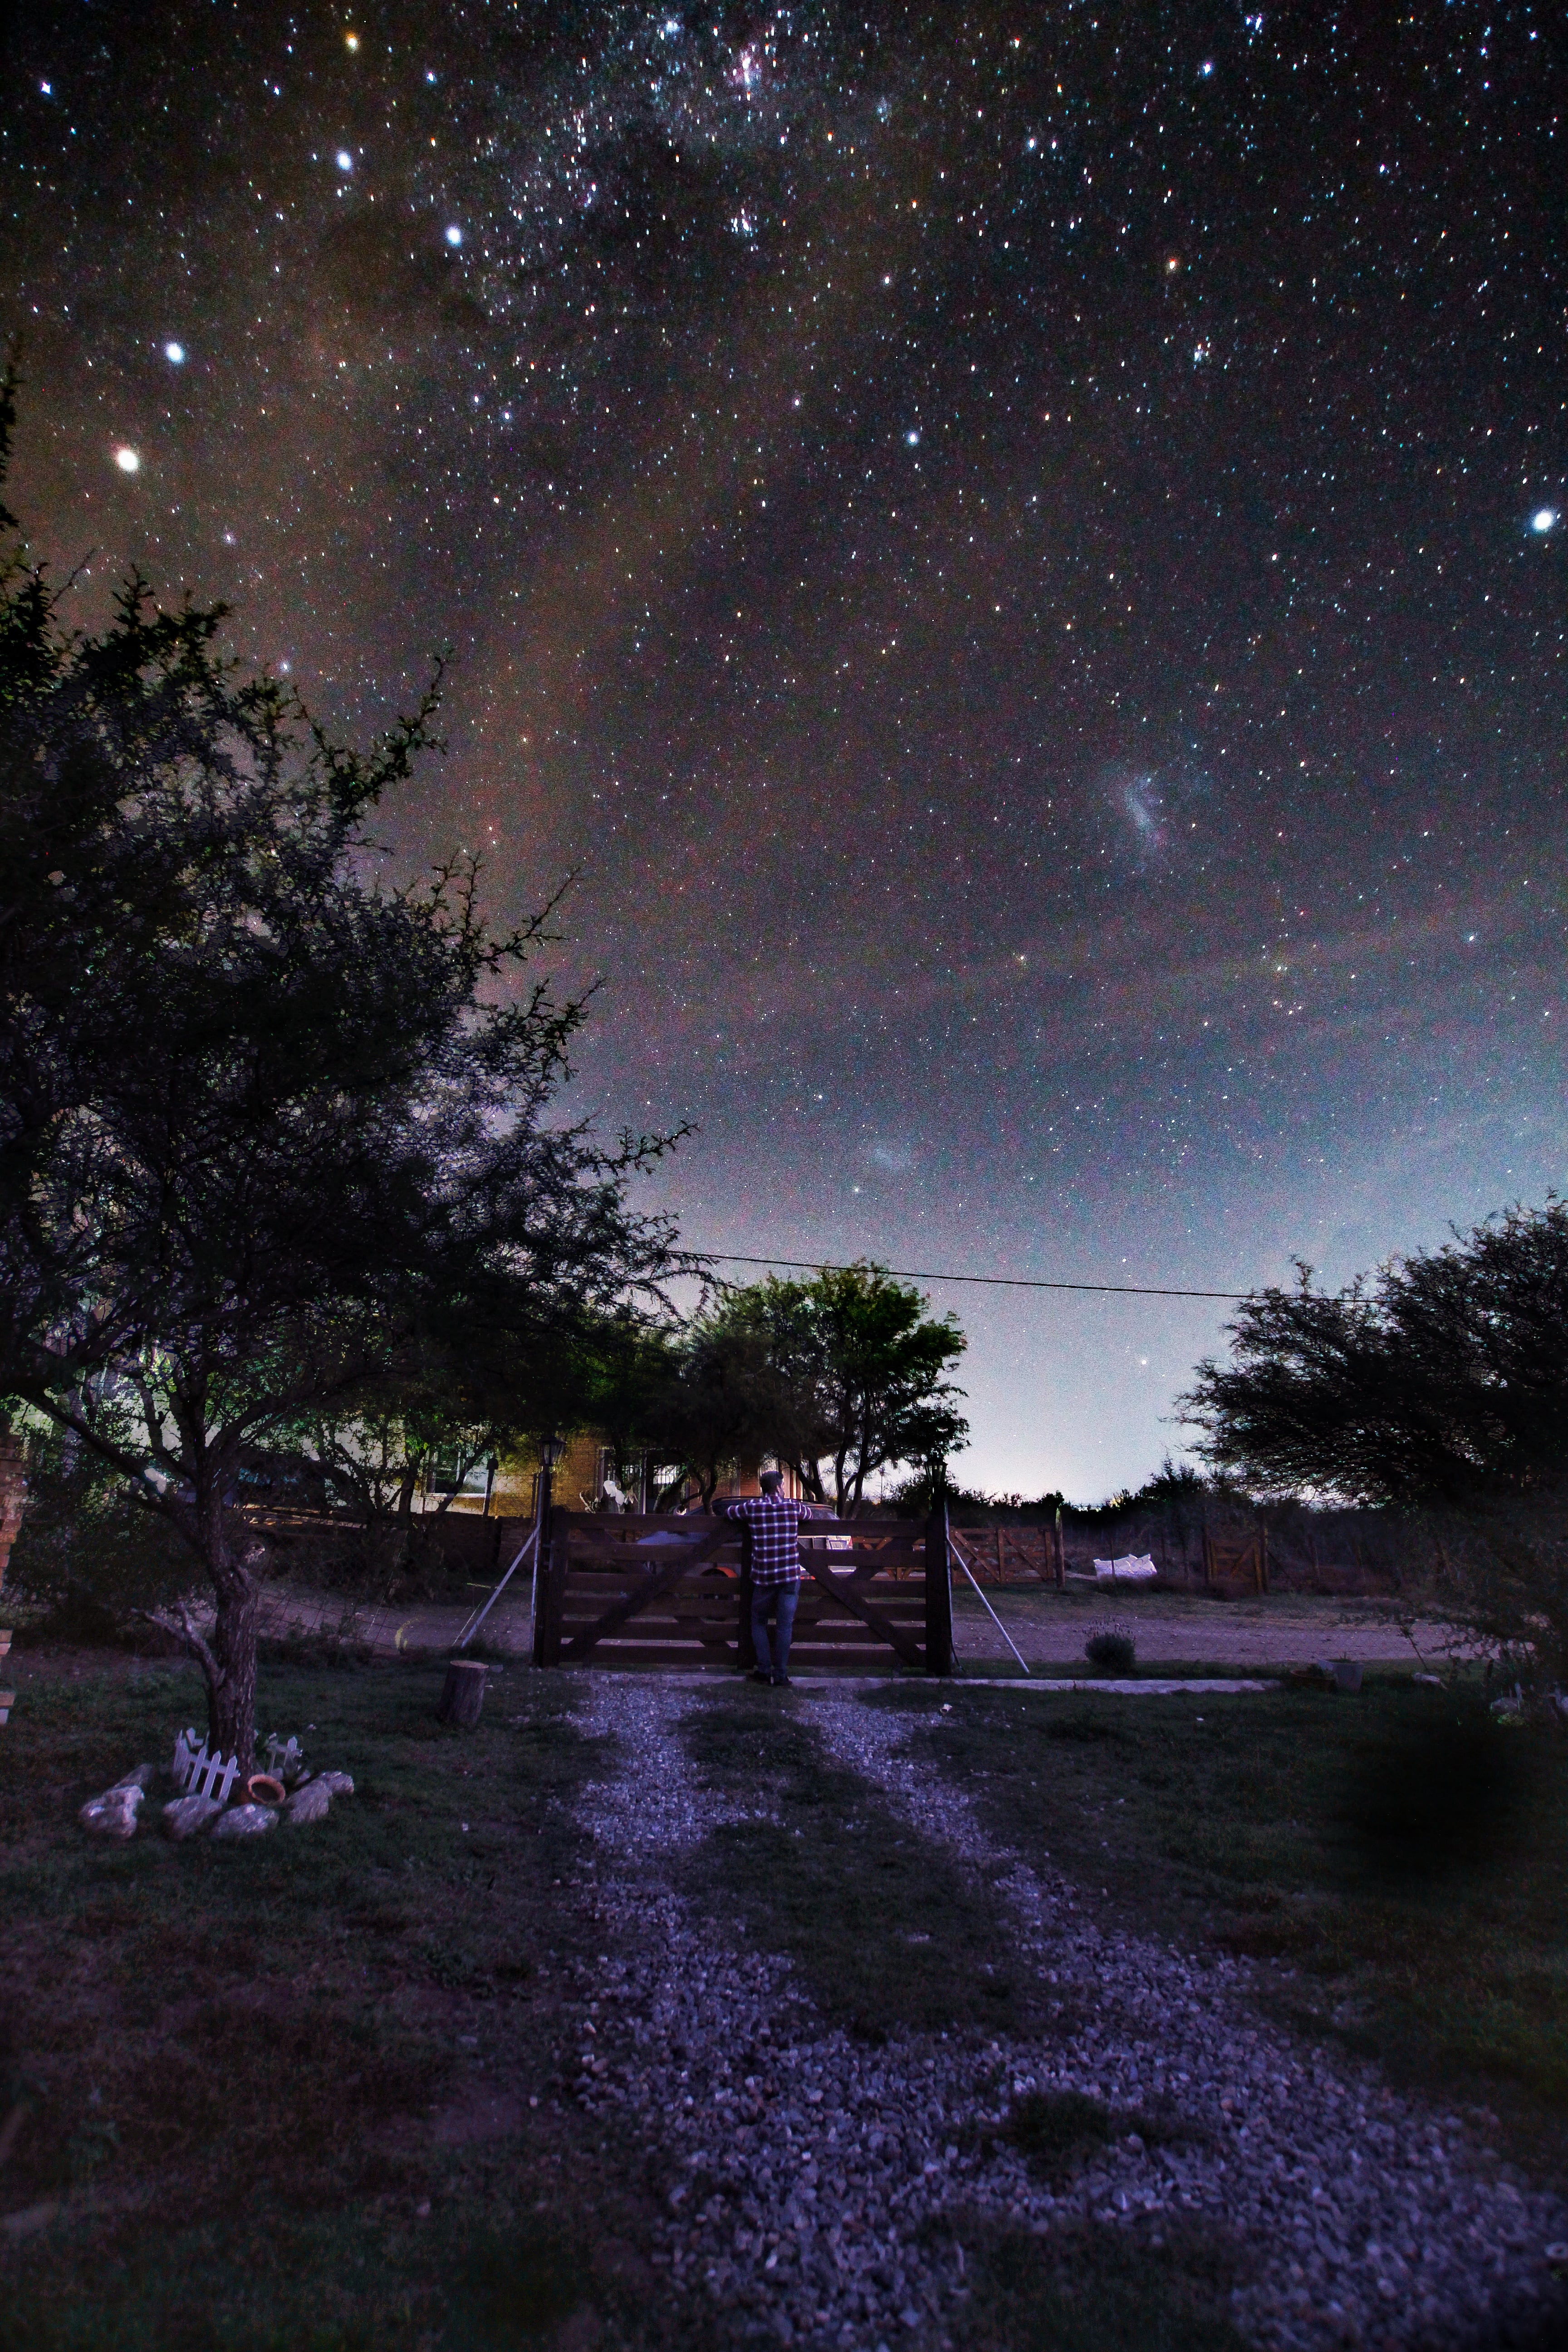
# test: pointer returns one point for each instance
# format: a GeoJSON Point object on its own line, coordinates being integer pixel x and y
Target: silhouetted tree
{"type": "Point", "coordinates": [266, 1123]}
{"type": "Point", "coordinates": [1443, 1380]}
{"type": "Point", "coordinates": [857, 1368]}
{"type": "Point", "coordinates": [1441, 1386]}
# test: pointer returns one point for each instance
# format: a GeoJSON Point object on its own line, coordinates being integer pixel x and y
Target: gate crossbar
{"type": "Point", "coordinates": [842, 1589]}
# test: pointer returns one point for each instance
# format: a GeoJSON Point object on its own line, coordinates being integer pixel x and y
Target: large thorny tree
{"type": "Point", "coordinates": [1439, 1387]}
{"type": "Point", "coordinates": [1443, 1381]}
{"type": "Point", "coordinates": [268, 1124]}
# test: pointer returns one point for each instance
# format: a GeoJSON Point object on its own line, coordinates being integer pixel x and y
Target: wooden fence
{"type": "Point", "coordinates": [628, 1590]}
{"type": "Point", "coordinates": [1019, 1555]}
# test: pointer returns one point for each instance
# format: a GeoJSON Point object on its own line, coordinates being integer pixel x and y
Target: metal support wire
{"type": "Point", "coordinates": [473, 1627]}
{"type": "Point", "coordinates": [953, 1553]}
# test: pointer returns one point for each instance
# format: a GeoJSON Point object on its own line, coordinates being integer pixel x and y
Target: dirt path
{"type": "Point", "coordinates": [1050, 1628]}
{"type": "Point", "coordinates": [820, 2190]}
{"type": "Point", "coordinates": [1287, 1630]}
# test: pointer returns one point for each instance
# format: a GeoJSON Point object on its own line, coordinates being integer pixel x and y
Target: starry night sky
{"type": "Point", "coordinates": [1020, 550]}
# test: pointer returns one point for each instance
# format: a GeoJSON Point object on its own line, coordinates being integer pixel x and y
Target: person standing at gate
{"type": "Point", "coordinates": [777, 1572]}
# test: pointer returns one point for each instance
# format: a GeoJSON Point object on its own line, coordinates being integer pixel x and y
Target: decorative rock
{"type": "Point", "coordinates": [336, 1784]}
{"type": "Point", "coordinates": [141, 1778]}
{"type": "Point", "coordinates": [187, 1817]}
{"type": "Point", "coordinates": [114, 1813]}
{"type": "Point", "coordinates": [311, 1803]}
{"type": "Point", "coordinates": [244, 1821]}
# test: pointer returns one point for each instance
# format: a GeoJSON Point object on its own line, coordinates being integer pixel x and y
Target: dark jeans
{"type": "Point", "coordinates": [779, 1599]}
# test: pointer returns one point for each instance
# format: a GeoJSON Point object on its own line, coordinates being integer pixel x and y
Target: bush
{"type": "Point", "coordinates": [90, 1553]}
{"type": "Point", "coordinates": [1111, 1648]}
{"type": "Point", "coordinates": [1441, 1787]}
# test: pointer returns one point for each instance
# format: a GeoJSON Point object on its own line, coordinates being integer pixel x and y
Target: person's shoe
{"type": "Point", "coordinates": [781, 1682]}
{"type": "Point", "coordinates": [761, 1675]}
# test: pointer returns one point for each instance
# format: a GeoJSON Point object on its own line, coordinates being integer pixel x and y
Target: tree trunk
{"type": "Point", "coordinates": [229, 1663]}
{"type": "Point", "coordinates": [231, 1700]}
{"type": "Point", "coordinates": [464, 1693]}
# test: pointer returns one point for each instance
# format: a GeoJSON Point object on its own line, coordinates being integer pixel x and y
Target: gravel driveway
{"type": "Point", "coordinates": [827, 2204]}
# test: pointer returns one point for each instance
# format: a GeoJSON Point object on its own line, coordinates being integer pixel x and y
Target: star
{"type": "Point", "coordinates": [174, 353]}
{"type": "Point", "coordinates": [1543, 520]}
{"type": "Point", "coordinates": [127, 460]}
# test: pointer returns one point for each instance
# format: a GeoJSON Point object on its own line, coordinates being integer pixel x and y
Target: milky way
{"type": "Point", "coordinates": [1018, 552]}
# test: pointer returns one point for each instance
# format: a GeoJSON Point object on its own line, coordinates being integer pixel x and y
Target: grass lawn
{"type": "Point", "coordinates": [283, 2093]}
{"type": "Point", "coordinates": [1400, 1860]}
{"type": "Point", "coordinates": [280, 2094]}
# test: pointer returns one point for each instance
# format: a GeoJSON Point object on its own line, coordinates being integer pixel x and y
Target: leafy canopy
{"type": "Point", "coordinates": [1443, 1381]}
{"type": "Point", "coordinates": [272, 1128]}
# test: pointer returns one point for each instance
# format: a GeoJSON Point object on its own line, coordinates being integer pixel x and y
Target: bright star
{"type": "Point", "coordinates": [345, 161]}
{"type": "Point", "coordinates": [1543, 520]}
{"type": "Point", "coordinates": [454, 235]}
{"type": "Point", "coordinates": [128, 461]}
{"type": "Point", "coordinates": [351, 40]}
{"type": "Point", "coordinates": [913, 439]}
{"type": "Point", "coordinates": [174, 353]}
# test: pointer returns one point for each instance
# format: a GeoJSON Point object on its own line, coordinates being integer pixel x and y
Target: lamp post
{"type": "Point", "coordinates": [551, 1449]}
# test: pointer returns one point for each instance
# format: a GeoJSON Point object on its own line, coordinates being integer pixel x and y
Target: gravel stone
{"type": "Point", "coordinates": [804, 2169]}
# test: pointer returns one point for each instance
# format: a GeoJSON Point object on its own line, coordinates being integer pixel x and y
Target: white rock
{"type": "Point", "coordinates": [311, 1802]}
{"type": "Point", "coordinates": [244, 1821]}
{"type": "Point", "coordinates": [141, 1778]}
{"type": "Point", "coordinates": [187, 1817]}
{"type": "Point", "coordinates": [336, 1784]}
{"type": "Point", "coordinates": [113, 1814]}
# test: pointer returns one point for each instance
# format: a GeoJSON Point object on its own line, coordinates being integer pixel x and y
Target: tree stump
{"type": "Point", "coordinates": [464, 1693]}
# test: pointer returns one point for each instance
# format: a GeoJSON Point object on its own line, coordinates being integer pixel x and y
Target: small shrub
{"type": "Point", "coordinates": [1111, 1648]}
{"type": "Point", "coordinates": [1439, 1787]}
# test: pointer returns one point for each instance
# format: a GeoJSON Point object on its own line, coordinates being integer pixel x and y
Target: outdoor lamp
{"type": "Point", "coordinates": [551, 1449]}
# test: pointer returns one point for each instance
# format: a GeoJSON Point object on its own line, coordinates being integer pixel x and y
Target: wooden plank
{"type": "Point", "coordinates": [636, 1556]}
{"type": "Point", "coordinates": [746, 1650]}
{"type": "Point", "coordinates": [600, 1590]}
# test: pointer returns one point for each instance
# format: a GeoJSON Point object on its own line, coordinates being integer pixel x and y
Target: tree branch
{"type": "Point", "coordinates": [184, 1631]}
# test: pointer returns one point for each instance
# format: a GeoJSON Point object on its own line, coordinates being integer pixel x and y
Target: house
{"type": "Point", "coordinates": [584, 1478]}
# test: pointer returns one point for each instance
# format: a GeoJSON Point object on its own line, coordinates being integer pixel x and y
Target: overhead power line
{"type": "Point", "coordinates": [988, 1281]}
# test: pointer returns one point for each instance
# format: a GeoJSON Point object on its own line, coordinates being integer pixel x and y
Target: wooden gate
{"type": "Point", "coordinates": [628, 1590]}
{"type": "Point", "coordinates": [1235, 1560]}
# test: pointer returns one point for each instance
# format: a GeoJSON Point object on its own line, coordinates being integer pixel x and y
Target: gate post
{"type": "Point", "coordinates": [551, 1587]}
{"type": "Point", "coordinates": [939, 1593]}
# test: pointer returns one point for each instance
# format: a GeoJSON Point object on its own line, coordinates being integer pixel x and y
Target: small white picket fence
{"type": "Point", "coordinates": [198, 1774]}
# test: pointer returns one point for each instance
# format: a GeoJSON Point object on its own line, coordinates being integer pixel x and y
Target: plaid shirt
{"type": "Point", "coordinates": [776, 1549]}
